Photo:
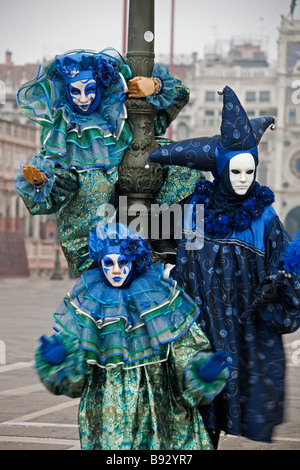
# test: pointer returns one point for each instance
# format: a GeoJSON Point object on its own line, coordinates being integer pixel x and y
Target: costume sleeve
{"type": "Point", "coordinates": [284, 314]}
{"type": "Point", "coordinates": [188, 353]}
{"type": "Point", "coordinates": [61, 185]}
{"type": "Point", "coordinates": [171, 99]}
{"type": "Point", "coordinates": [69, 377]}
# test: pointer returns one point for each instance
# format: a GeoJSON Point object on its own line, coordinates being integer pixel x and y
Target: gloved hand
{"type": "Point", "coordinates": [267, 295]}
{"type": "Point", "coordinates": [140, 87]}
{"type": "Point", "coordinates": [33, 175]}
{"type": "Point", "coordinates": [53, 350]}
{"type": "Point", "coordinates": [209, 371]}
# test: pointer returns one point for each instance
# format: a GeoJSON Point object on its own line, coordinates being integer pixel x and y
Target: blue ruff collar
{"type": "Point", "coordinates": [223, 225]}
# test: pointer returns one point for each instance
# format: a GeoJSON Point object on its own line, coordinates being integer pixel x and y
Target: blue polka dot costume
{"type": "Point", "coordinates": [247, 295]}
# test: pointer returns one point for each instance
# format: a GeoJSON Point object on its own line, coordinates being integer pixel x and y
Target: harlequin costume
{"type": "Point", "coordinates": [131, 353]}
{"type": "Point", "coordinates": [242, 278]}
{"type": "Point", "coordinates": [81, 149]}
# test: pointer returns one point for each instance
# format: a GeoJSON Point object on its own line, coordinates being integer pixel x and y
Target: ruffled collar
{"type": "Point", "coordinates": [70, 139]}
{"type": "Point", "coordinates": [223, 225]}
{"type": "Point", "coordinates": [130, 327]}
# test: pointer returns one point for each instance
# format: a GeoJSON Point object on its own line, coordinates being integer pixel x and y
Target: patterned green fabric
{"type": "Point", "coordinates": [75, 198]}
{"type": "Point", "coordinates": [144, 408]}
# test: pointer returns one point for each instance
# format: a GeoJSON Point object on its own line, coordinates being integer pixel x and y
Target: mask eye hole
{"type": "Point", "coordinates": [90, 89]}
{"type": "Point", "coordinates": [108, 262]}
{"type": "Point", "coordinates": [250, 172]}
{"type": "Point", "coordinates": [74, 91]}
{"type": "Point", "coordinates": [123, 262]}
{"type": "Point", "coordinates": [235, 172]}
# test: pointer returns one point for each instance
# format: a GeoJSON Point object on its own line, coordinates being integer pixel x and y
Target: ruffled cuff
{"type": "Point", "coordinates": [37, 194]}
{"type": "Point", "coordinates": [168, 93]}
{"type": "Point", "coordinates": [207, 391]}
{"type": "Point", "coordinates": [69, 377]}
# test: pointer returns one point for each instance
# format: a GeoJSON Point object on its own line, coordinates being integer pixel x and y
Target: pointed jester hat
{"type": "Point", "coordinates": [238, 134]}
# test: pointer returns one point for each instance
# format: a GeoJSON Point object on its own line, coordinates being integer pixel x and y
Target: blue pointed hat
{"type": "Point", "coordinates": [238, 134]}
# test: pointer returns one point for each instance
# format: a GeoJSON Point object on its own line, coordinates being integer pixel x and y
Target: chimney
{"type": "Point", "coordinates": [8, 55]}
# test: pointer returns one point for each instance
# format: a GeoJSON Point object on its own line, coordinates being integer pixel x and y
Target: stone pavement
{"type": "Point", "coordinates": [33, 419]}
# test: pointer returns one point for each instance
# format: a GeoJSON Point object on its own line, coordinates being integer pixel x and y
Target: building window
{"type": "Point", "coordinates": [209, 112]}
{"type": "Point", "coordinates": [262, 174]}
{"type": "Point", "coordinates": [264, 96]}
{"type": "Point", "coordinates": [182, 131]}
{"type": "Point", "coordinates": [250, 96]}
{"type": "Point", "coordinates": [292, 116]}
{"type": "Point", "coordinates": [292, 221]}
{"type": "Point", "coordinates": [210, 95]}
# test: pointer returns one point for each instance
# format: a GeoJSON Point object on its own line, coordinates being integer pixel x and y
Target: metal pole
{"type": "Point", "coordinates": [172, 38]}
{"type": "Point", "coordinates": [171, 67]}
{"type": "Point", "coordinates": [125, 27]}
{"type": "Point", "coordinates": [57, 274]}
{"type": "Point", "coordinates": [136, 182]}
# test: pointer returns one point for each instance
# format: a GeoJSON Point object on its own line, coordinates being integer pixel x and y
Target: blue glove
{"type": "Point", "coordinates": [209, 371]}
{"type": "Point", "coordinates": [53, 350]}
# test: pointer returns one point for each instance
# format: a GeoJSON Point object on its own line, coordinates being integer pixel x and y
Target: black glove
{"type": "Point", "coordinates": [267, 295]}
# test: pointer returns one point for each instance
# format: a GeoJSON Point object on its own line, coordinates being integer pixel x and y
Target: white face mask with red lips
{"type": "Point", "coordinates": [241, 172]}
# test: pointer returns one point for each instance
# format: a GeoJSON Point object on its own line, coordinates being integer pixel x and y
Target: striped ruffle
{"type": "Point", "coordinates": [129, 327]}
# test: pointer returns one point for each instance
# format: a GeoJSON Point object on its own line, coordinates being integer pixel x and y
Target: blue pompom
{"type": "Point", "coordinates": [209, 371]}
{"type": "Point", "coordinates": [291, 257]}
{"type": "Point", "coordinates": [53, 350]}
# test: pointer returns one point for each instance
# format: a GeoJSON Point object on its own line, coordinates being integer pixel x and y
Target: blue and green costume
{"type": "Point", "coordinates": [80, 153]}
{"type": "Point", "coordinates": [132, 355]}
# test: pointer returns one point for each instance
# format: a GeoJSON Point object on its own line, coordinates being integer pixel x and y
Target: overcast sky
{"type": "Point", "coordinates": [33, 29]}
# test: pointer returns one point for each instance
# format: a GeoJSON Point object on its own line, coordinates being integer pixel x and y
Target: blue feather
{"type": "Point", "coordinates": [291, 257]}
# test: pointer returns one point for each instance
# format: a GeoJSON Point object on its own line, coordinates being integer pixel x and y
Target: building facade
{"type": "Point", "coordinates": [287, 156]}
{"type": "Point", "coordinates": [27, 243]}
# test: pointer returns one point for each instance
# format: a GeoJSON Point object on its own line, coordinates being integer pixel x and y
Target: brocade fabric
{"type": "Point", "coordinates": [224, 278]}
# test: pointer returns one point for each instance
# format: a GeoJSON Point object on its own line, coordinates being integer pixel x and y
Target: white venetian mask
{"type": "Point", "coordinates": [241, 172]}
{"type": "Point", "coordinates": [116, 268]}
{"type": "Point", "coordinates": [83, 93]}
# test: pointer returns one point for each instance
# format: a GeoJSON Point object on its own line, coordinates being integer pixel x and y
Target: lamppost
{"type": "Point", "coordinates": [136, 182]}
{"type": "Point", "coordinates": [57, 274]}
